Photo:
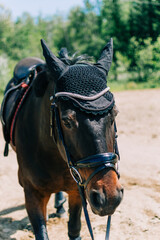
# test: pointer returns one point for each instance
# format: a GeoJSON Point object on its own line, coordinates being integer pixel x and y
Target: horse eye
{"type": "Point", "coordinates": [67, 123]}
{"type": "Point", "coordinates": [69, 120]}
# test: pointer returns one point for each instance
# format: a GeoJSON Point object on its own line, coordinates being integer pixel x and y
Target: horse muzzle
{"type": "Point", "coordinates": [105, 198]}
{"type": "Point", "coordinates": [103, 205]}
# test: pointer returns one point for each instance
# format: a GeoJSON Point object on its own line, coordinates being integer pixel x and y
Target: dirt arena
{"type": "Point", "coordinates": [138, 216]}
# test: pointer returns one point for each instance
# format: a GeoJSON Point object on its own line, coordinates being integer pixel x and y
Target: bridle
{"type": "Point", "coordinates": [99, 161]}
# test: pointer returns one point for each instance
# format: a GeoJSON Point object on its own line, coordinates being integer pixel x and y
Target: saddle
{"type": "Point", "coordinates": [15, 93]}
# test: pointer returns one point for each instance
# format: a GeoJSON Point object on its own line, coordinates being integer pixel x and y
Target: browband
{"type": "Point", "coordinates": [74, 95]}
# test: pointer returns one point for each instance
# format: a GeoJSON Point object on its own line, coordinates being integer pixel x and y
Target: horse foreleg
{"type": "Point", "coordinates": [75, 208]}
{"type": "Point", "coordinates": [59, 201]}
{"type": "Point", "coordinates": [36, 207]}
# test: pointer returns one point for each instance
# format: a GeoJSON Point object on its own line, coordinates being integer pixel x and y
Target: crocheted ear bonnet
{"type": "Point", "coordinates": [83, 79]}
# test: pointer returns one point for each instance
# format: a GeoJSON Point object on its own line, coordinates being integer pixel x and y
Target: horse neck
{"type": "Point", "coordinates": [44, 114]}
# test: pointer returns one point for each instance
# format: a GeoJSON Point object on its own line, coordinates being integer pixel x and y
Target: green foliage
{"type": "Point", "coordinates": [144, 19]}
{"type": "Point", "coordinates": [83, 32]}
{"type": "Point", "coordinates": [146, 62]}
{"type": "Point", "coordinates": [133, 25]}
{"type": "Point", "coordinates": [5, 27]}
{"type": "Point", "coordinates": [4, 70]}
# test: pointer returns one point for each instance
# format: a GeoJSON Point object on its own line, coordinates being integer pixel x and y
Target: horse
{"type": "Point", "coordinates": [64, 137]}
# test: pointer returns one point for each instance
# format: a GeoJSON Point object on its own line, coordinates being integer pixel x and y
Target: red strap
{"type": "Point", "coordinates": [24, 85]}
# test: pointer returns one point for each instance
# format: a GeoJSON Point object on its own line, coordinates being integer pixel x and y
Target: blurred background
{"type": "Point", "coordinates": [85, 26]}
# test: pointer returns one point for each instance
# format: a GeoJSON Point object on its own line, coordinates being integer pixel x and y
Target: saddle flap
{"type": "Point", "coordinates": [14, 91]}
{"type": "Point", "coordinates": [8, 109]}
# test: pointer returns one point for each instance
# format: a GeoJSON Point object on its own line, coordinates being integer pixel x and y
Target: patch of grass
{"type": "Point", "coordinates": [130, 85]}
{"type": "Point", "coordinates": [1, 96]}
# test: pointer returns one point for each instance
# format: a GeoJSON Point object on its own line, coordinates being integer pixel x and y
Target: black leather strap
{"type": "Point", "coordinates": [96, 160]}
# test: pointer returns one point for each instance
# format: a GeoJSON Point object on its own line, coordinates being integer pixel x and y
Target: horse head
{"type": "Point", "coordinates": [85, 114]}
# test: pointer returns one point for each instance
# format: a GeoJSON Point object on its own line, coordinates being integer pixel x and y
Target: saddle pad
{"type": "Point", "coordinates": [8, 109]}
{"type": "Point", "coordinates": [16, 90]}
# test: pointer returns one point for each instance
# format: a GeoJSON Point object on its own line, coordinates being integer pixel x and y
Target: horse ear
{"type": "Point", "coordinates": [56, 66]}
{"type": "Point", "coordinates": [105, 60]}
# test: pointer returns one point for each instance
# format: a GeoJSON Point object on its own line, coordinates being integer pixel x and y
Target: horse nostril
{"type": "Point", "coordinates": [119, 197]}
{"type": "Point", "coordinates": [97, 199]}
{"type": "Point", "coordinates": [121, 192]}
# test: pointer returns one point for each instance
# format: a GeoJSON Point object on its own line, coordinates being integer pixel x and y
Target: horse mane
{"type": "Point", "coordinates": [74, 59]}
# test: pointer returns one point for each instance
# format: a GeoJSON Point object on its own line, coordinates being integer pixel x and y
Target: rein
{"type": "Point", "coordinates": [100, 161]}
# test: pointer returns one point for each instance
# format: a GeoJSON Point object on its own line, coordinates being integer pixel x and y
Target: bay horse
{"type": "Point", "coordinates": [65, 131]}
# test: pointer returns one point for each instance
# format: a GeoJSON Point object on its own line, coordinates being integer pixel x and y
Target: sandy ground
{"type": "Point", "coordinates": [138, 216]}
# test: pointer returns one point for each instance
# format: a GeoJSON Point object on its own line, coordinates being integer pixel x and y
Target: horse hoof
{"type": "Point", "coordinates": [77, 238]}
{"type": "Point", "coordinates": [60, 213]}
